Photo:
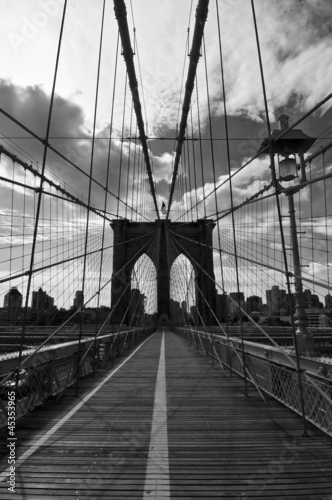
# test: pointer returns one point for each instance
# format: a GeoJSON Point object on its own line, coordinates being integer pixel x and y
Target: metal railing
{"type": "Point", "coordinates": [52, 369]}
{"type": "Point", "coordinates": [275, 378]}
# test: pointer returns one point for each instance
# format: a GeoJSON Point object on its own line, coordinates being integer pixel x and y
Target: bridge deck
{"type": "Point", "coordinates": [217, 442]}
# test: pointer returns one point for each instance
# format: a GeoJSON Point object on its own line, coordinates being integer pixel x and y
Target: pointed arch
{"type": "Point", "coordinates": [182, 290]}
{"type": "Point", "coordinates": [143, 300]}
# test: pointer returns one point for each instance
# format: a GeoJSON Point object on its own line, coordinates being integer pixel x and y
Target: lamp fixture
{"type": "Point", "coordinates": [287, 169]}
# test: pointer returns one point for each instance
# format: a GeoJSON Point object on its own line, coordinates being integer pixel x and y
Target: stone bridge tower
{"type": "Point", "coordinates": [193, 239]}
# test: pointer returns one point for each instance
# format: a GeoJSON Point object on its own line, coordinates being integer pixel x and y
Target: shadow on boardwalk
{"type": "Point", "coordinates": [221, 444]}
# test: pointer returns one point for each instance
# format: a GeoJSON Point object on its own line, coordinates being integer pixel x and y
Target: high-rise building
{"type": "Point", "coordinates": [13, 299]}
{"type": "Point", "coordinates": [311, 300]}
{"type": "Point", "coordinates": [194, 314]}
{"type": "Point", "coordinates": [175, 311]}
{"type": "Point", "coordinates": [315, 302]}
{"type": "Point", "coordinates": [275, 300]}
{"type": "Point", "coordinates": [222, 307]}
{"type": "Point", "coordinates": [254, 303]}
{"type": "Point", "coordinates": [233, 305]}
{"type": "Point", "coordinates": [79, 299]}
{"type": "Point", "coordinates": [137, 305]}
{"type": "Point", "coordinates": [307, 298]}
{"type": "Point", "coordinates": [328, 301]}
{"type": "Point", "coordinates": [40, 300]}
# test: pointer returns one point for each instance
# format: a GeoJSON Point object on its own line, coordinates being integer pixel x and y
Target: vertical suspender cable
{"type": "Point", "coordinates": [279, 216]}
{"type": "Point", "coordinates": [133, 187]}
{"type": "Point", "coordinates": [11, 226]}
{"type": "Point", "coordinates": [40, 189]}
{"type": "Point", "coordinates": [194, 161]}
{"type": "Point", "coordinates": [189, 173]}
{"type": "Point", "coordinates": [122, 139]}
{"type": "Point", "coordinates": [90, 185]}
{"type": "Point", "coordinates": [185, 182]}
{"type": "Point", "coordinates": [211, 136]}
{"type": "Point", "coordinates": [106, 186]}
{"type": "Point", "coordinates": [129, 155]}
{"type": "Point", "coordinates": [231, 197]}
{"type": "Point", "coordinates": [326, 226]}
{"type": "Point", "coordinates": [201, 149]}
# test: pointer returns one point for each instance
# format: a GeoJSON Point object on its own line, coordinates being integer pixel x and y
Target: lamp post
{"type": "Point", "coordinates": [294, 142]}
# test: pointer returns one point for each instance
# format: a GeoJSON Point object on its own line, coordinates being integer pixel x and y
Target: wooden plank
{"type": "Point", "coordinates": [97, 439]}
{"type": "Point", "coordinates": [222, 444]}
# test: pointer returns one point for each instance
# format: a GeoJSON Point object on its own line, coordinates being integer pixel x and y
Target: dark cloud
{"type": "Point", "coordinates": [69, 135]}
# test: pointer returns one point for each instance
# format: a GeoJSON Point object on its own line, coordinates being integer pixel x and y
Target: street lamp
{"type": "Point", "coordinates": [293, 143]}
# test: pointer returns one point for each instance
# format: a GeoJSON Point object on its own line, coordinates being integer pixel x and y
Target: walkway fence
{"type": "Point", "coordinates": [280, 381]}
{"type": "Point", "coordinates": [47, 373]}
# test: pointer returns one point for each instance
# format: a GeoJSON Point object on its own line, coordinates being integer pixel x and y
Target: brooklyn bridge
{"type": "Point", "coordinates": [166, 307]}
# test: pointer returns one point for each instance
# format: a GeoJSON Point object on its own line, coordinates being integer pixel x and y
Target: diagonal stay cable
{"type": "Point", "coordinates": [40, 197]}
{"type": "Point", "coordinates": [281, 349]}
{"type": "Point", "coordinates": [37, 349]}
{"type": "Point", "coordinates": [62, 156]}
{"type": "Point", "coordinates": [99, 331]}
{"type": "Point", "coordinates": [265, 149]}
{"type": "Point", "coordinates": [231, 346]}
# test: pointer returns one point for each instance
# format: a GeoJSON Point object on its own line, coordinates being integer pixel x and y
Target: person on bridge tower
{"type": "Point", "coordinates": [163, 208]}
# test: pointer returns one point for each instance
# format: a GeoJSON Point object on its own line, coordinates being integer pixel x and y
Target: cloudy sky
{"type": "Point", "coordinates": [296, 48]}
{"type": "Point", "coordinates": [296, 40]}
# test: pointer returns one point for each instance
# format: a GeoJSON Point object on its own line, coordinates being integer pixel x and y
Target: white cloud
{"type": "Point", "coordinates": [295, 42]}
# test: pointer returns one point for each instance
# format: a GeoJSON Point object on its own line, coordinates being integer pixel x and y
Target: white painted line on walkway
{"type": "Point", "coordinates": [157, 469]}
{"type": "Point", "coordinates": [48, 434]}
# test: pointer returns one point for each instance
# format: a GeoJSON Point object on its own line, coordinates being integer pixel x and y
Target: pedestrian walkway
{"type": "Point", "coordinates": [166, 424]}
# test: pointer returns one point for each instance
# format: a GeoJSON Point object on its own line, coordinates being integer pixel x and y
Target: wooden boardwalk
{"type": "Point", "coordinates": [208, 439]}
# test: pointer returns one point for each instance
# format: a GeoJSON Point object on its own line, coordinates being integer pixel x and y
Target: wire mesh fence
{"type": "Point", "coordinates": [279, 381]}
{"type": "Point", "coordinates": [55, 368]}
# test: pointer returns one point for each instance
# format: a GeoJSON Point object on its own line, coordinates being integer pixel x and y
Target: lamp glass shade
{"type": "Point", "coordinates": [287, 169]}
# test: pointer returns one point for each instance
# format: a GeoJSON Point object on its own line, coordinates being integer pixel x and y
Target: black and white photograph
{"type": "Point", "coordinates": [166, 249]}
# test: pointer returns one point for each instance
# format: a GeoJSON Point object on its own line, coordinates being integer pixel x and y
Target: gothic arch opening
{"type": "Point", "coordinates": [143, 293]}
{"type": "Point", "coordinates": [182, 292]}
{"type": "Point", "coordinates": [133, 238]}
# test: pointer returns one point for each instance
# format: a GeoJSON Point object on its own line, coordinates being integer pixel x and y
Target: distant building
{"type": "Point", "coordinates": [233, 305]}
{"type": "Point", "coordinates": [175, 312]}
{"type": "Point", "coordinates": [275, 300]}
{"type": "Point", "coordinates": [79, 299]}
{"type": "Point", "coordinates": [319, 318]}
{"type": "Point", "coordinates": [186, 318]}
{"type": "Point", "coordinates": [222, 307]}
{"type": "Point", "coordinates": [289, 305]}
{"type": "Point", "coordinates": [194, 314]}
{"type": "Point", "coordinates": [254, 303]}
{"type": "Point", "coordinates": [40, 300]}
{"type": "Point", "coordinates": [328, 301]}
{"type": "Point", "coordinates": [13, 299]}
{"type": "Point", "coordinates": [311, 300]}
{"type": "Point", "coordinates": [137, 305]}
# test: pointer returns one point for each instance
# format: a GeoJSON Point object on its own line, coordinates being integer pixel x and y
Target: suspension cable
{"type": "Point", "coordinates": [201, 16]}
{"type": "Point", "coordinates": [273, 171]}
{"type": "Point", "coordinates": [38, 208]}
{"type": "Point", "coordinates": [121, 16]}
